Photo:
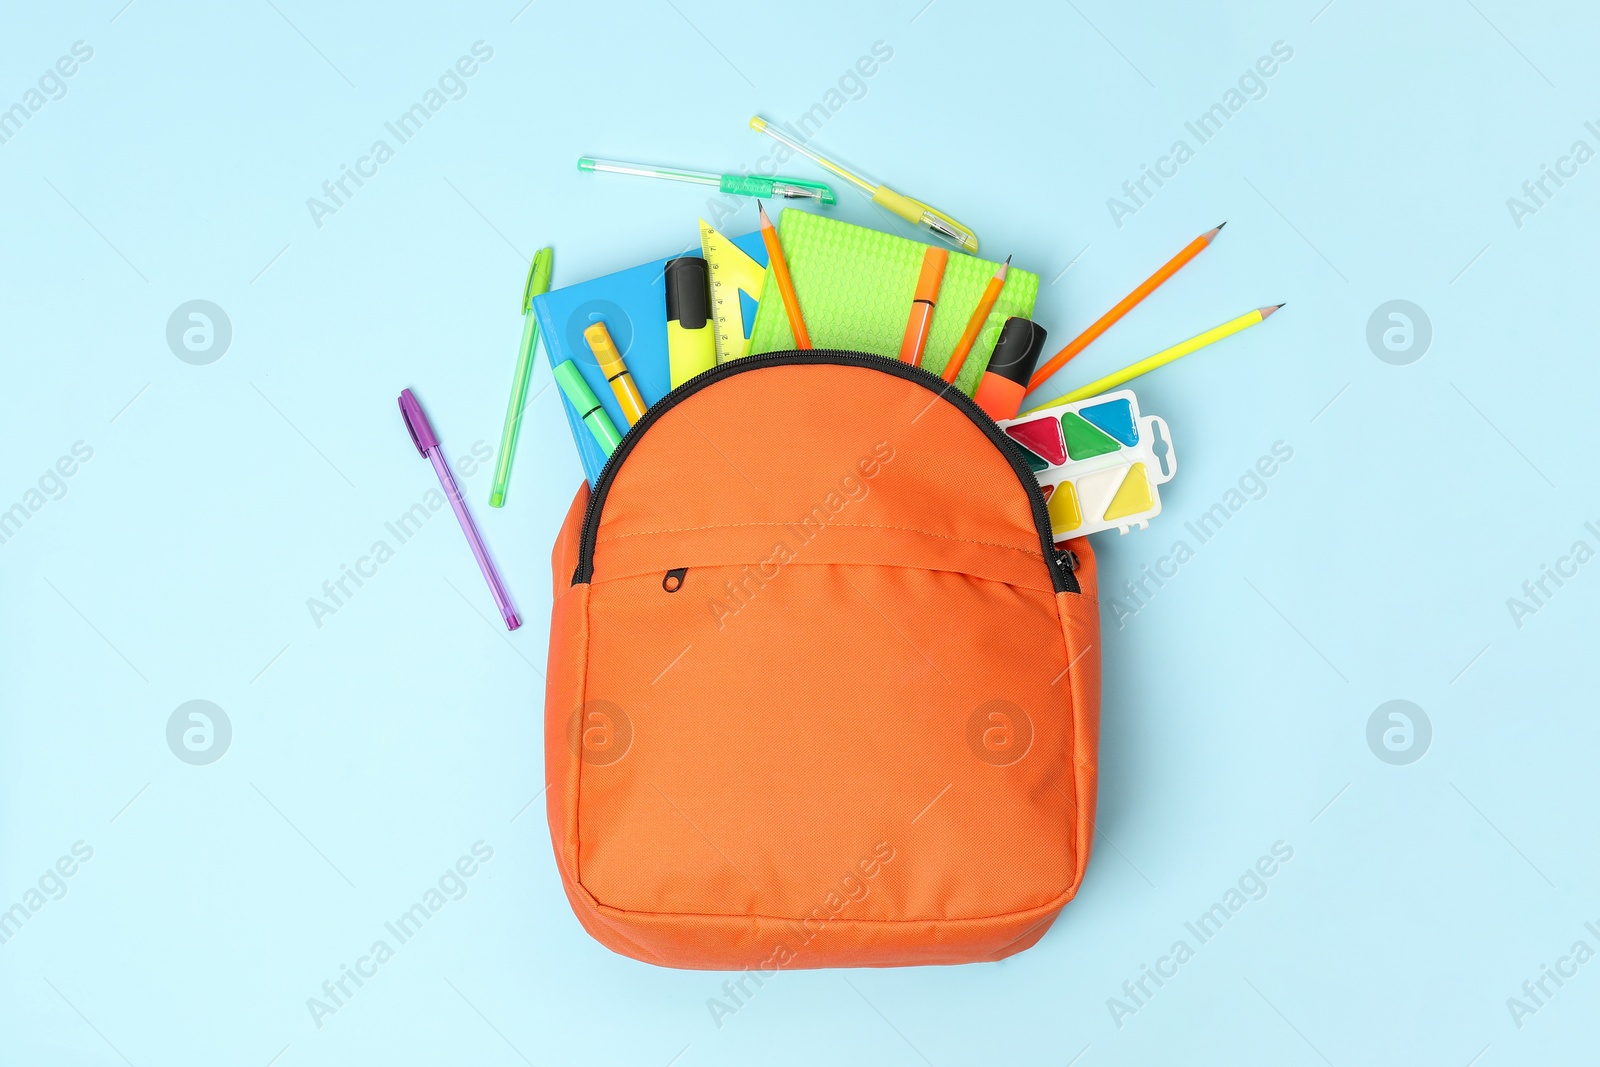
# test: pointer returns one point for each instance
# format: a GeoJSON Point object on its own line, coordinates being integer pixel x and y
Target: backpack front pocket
{"type": "Point", "coordinates": [785, 721]}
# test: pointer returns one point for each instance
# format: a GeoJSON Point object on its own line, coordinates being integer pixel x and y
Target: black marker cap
{"type": "Point", "coordinates": [688, 291]}
{"type": "Point", "coordinates": [1017, 350]}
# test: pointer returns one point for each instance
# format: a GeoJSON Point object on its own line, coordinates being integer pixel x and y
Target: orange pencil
{"type": "Point", "coordinates": [991, 293]}
{"type": "Point", "coordinates": [927, 295]}
{"type": "Point", "coordinates": [780, 274]}
{"type": "Point", "coordinates": [1104, 322]}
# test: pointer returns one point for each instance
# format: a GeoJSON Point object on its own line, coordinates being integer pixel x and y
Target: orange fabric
{"type": "Point", "coordinates": [855, 725]}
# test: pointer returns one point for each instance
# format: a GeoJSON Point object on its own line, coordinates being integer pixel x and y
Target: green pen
{"type": "Point", "coordinates": [538, 282]}
{"type": "Point", "coordinates": [738, 184]}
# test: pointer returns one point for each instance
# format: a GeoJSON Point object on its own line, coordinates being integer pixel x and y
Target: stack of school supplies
{"type": "Point", "coordinates": [632, 304]}
{"type": "Point", "coordinates": [856, 287]}
{"type": "Point", "coordinates": [619, 343]}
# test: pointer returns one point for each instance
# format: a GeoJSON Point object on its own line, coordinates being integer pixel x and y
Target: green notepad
{"type": "Point", "coordinates": [855, 287]}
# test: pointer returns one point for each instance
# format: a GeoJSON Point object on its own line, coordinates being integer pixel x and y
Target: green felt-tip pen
{"type": "Point", "coordinates": [577, 391]}
{"type": "Point", "coordinates": [738, 184]}
{"type": "Point", "coordinates": [538, 282]}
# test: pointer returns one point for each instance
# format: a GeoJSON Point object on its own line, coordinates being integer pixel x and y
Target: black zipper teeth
{"type": "Point", "coordinates": [1062, 577]}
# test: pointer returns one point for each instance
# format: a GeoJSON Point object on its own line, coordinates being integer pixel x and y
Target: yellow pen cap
{"type": "Point", "coordinates": [603, 347]}
{"type": "Point", "coordinates": [913, 210]}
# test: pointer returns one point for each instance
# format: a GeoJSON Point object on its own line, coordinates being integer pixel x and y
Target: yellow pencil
{"type": "Point", "coordinates": [1161, 358]}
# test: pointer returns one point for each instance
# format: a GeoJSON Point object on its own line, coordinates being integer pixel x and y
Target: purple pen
{"type": "Point", "coordinates": [428, 444]}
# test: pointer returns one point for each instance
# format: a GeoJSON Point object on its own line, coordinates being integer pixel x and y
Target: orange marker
{"type": "Point", "coordinates": [991, 293]}
{"type": "Point", "coordinates": [780, 274]}
{"type": "Point", "coordinates": [1105, 322]}
{"type": "Point", "coordinates": [927, 295]}
{"type": "Point", "coordinates": [616, 371]}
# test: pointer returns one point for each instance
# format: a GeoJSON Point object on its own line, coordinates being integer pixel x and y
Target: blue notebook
{"type": "Point", "coordinates": [633, 305]}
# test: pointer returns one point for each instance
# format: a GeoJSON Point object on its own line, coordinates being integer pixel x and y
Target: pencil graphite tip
{"type": "Point", "coordinates": [1212, 233]}
{"type": "Point", "coordinates": [1001, 273]}
{"type": "Point", "coordinates": [1265, 312]}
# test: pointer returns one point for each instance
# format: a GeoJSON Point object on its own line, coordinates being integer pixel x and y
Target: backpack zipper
{"type": "Point", "coordinates": [1062, 563]}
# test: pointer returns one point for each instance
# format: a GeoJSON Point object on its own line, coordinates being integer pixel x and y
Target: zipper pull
{"type": "Point", "coordinates": [674, 579]}
{"type": "Point", "coordinates": [1067, 560]}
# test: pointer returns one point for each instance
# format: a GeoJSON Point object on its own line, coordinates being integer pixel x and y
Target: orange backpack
{"type": "Point", "coordinates": [821, 690]}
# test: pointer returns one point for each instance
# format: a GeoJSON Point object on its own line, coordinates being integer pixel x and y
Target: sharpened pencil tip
{"type": "Point", "coordinates": [1265, 312]}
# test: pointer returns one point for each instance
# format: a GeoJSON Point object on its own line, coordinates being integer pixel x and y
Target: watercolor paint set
{"type": "Point", "coordinates": [1099, 461]}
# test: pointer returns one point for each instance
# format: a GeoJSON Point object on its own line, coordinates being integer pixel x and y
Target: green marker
{"type": "Point", "coordinates": [538, 282]}
{"type": "Point", "coordinates": [582, 397]}
{"type": "Point", "coordinates": [737, 184]}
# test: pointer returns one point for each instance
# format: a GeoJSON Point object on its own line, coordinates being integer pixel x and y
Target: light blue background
{"type": "Point", "coordinates": [368, 754]}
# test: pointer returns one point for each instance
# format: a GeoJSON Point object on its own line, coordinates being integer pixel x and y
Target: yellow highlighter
{"type": "Point", "coordinates": [616, 371]}
{"type": "Point", "coordinates": [691, 342]}
{"type": "Point", "coordinates": [908, 208]}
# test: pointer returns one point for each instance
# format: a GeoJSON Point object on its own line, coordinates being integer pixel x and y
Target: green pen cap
{"type": "Point", "coordinates": [780, 187]}
{"type": "Point", "coordinates": [577, 391]}
{"type": "Point", "coordinates": [570, 379]}
{"type": "Point", "coordinates": [538, 282]}
{"type": "Point", "coordinates": [738, 184]}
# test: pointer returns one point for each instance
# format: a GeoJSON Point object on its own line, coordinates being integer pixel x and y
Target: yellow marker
{"type": "Point", "coordinates": [691, 342]}
{"type": "Point", "coordinates": [908, 208]}
{"type": "Point", "coordinates": [616, 371]}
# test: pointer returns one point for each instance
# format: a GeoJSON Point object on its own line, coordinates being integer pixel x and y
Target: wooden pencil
{"type": "Point", "coordinates": [991, 293]}
{"type": "Point", "coordinates": [780, 274]}
{"type": "Point", "coordinates": [1104, 322]}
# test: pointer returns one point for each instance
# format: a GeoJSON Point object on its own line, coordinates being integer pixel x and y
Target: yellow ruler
{"type": "Point", "coordinates": [732, 272]}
